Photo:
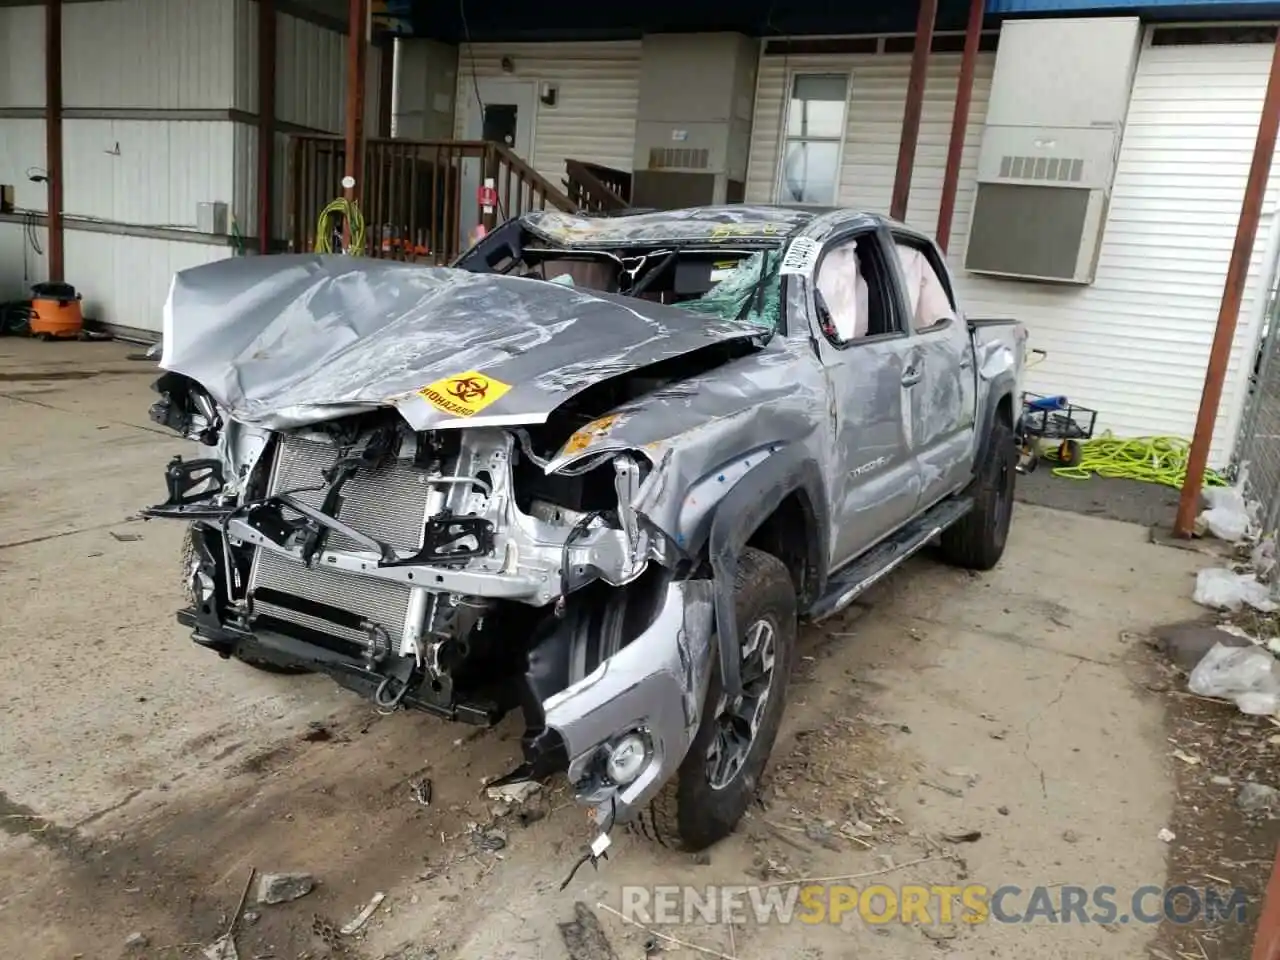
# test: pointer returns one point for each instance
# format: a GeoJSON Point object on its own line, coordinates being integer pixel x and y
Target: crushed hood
{"type": "Point", "coordinates": [285, 341]}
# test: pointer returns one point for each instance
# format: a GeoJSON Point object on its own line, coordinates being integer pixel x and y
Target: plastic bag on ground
{"type": "Point", "coordinates": [1263, 559]}
{"type": "Point", "coordinates": [1224, 589]}
{"type": "Point", "coordinates": [1228, 516]}
{"type": "Point", "coordinates": [1228, 498]}
{"type": "Point", "coordinates": [1248, 675]}
{"type": "Point", "coordinates": [1226, 524]}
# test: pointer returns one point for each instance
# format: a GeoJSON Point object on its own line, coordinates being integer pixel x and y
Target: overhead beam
{"type": "Point", "coordinates": [266, 121]}
{"type": "Point", "coordinates": [915, 105]}
{"type": "Point", "coordinates": [53, 135]}
{"type": "Point", "coordinates": [1232, 294]}
{"type": "Point", "coordinates": [959, 123]}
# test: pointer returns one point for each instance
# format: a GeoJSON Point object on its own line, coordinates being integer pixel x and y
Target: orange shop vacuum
{"type": "Point", "coordinates": [55, 312]}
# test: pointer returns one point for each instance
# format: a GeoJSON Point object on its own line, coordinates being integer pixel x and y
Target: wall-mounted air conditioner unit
{"type": "Point", "coordinates": [1055, 118]}
{"type": "Point", "coordinates": [693, 126]}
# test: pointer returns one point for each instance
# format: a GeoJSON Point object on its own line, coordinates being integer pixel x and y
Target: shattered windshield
{"type": "Point", "coordinates": [746, 290]}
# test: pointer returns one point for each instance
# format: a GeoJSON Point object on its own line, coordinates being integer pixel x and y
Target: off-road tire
{"type": "Point", "coordinates": [977, 541]}
{"type": "Point", "coordinates": [689, 814]}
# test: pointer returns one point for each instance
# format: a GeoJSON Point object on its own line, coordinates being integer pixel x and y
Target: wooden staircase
{"type": "Point", "coordinates": [596, 188]}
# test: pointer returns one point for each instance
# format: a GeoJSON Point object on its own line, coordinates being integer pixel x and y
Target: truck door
{"type": "Point", "coordinates": [864, 345]}
{"type": "Point", "coordinates": [943, 403]}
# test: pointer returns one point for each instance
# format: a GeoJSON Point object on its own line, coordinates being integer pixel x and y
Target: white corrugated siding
{"type": "Point", "coordinates": [21, 57]}
{"type": "Point", "coordinates": [149, 53]}
{"type": "Point", "coordinates": [877, 96]}
{"type": "Point", "coordinates": [163, 168]}
{"type": "Point", "coordinates": [245, 193]}
{"type": "Point", "coordinates": [245, 31]}
{"type": "Point", "coordinates": [1135, 343]}
{"type": "Point", "coordinates": [125, 280]}
{"type": "Point", "coordinates": [22, 146]}
{"type": "Point", "coordinates": [17, 274]}
{"type": "Point", "coordinates": [594, 118]}
{"type": "Point", "coordinates": [311, 72]}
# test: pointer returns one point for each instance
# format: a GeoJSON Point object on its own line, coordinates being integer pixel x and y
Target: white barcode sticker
{"type": "Point", "coordinates": [801, 256]}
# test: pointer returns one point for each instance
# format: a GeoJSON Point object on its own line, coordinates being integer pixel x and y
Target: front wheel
{"type": "Point", "coordinates": [717, 781]}
{"type": "Point", "coordinates": [977, 540]}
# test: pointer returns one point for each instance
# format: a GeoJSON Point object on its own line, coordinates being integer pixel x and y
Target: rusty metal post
{"type": "Point", "coordinates": [53, 134]}
{"type": "Point", "coordinates": [1266, 941]}
{"type": "Point", "coordinates": [266, 121]}
{"type": "Point", "coordinates": [959, 123]}
{"type": "Point", "coordinates": [915, 105]}
{"type": "Point", "coordinates": [357, 61]}
{"type": "Point", "coordinates": [1232, 294]}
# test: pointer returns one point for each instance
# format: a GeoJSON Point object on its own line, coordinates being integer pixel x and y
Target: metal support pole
{"type": "Point", "coordinates": [53, 134]}
{"type": "Point", "coordinates": [1266, 943]}
{"type": "Point", "coordinates": [266, 121]}
{"type": "Point", "coordinates": [386, 85]}
{"type": "Point", "coordinates": [911, 113]}
{"type": "Point", "coordinates": [357, 61]}
{"type": "Point", "coordinates": [959, 123]}
{"type": "Point", "coordinates": [1232, 294]}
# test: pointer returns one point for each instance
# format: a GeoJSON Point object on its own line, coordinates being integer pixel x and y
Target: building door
{"type": "Point", "coordinates": [500, 111]}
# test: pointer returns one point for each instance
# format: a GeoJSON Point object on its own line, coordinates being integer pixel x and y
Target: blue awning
{"type": "Point", "coordinates": [1148, 9]}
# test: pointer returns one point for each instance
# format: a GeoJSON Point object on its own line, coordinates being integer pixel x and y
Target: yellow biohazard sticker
{"type": "Point", "coordinates": [464, 394]}
{"type": "Point", "coordinates": [593, 431]}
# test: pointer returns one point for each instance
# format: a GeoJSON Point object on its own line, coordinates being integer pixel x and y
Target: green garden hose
{"type": "Point", "coordinates": [348, 210]}
{"type": "Point", "coordinates": [1149, 459]}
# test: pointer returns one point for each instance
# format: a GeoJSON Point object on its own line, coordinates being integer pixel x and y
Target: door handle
{"type": "Point", "coordinates": [911, 375]}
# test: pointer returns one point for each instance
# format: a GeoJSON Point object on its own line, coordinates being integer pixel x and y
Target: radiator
{"type": "Point", "coordinates": [389, 504]}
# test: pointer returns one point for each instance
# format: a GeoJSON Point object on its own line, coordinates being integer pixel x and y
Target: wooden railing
{"type": "Point", "coordinates": [419, 199]}
{"type": "Point", "coordinates": [596, 188]}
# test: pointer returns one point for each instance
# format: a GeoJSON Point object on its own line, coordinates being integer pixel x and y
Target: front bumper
{"type": "Point", "coordinates": [655, 686]}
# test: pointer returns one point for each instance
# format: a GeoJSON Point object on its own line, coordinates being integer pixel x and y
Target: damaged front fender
{"type": "Point", "coordinates": [652, 689]}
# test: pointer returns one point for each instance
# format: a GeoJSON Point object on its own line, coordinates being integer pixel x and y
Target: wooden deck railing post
{"type": "Point", "coordinates": [420, 218]}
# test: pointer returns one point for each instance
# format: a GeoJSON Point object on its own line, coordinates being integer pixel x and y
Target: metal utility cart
{"type": "Point", "coordinates": [1049, 420]}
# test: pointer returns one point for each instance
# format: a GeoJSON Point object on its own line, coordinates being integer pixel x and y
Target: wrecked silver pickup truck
{"type": "Point", "coordinates": [596, 472]}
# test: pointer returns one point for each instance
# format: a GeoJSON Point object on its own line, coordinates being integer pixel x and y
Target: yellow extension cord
{"type": "Point", "coordinates": [1149, 459]}
{"type": "Point", "coordinates": [349, 210]}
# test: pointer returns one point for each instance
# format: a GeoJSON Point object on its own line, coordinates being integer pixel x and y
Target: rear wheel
{"type": "Point", "coordinates": [717, 781]}
{"type": "Point", "coordinates": [977, 541]}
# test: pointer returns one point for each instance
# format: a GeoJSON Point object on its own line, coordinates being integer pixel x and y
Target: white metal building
{"type": "Point", "coordinates": [160, 116]}
{"type": "Point", "coordinates": [160, 109]}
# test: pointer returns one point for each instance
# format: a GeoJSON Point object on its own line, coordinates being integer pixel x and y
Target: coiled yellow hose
{"type": "Point", "coordinates": [348, 210]}
{"type": "Point", "coordinates": [1149, 459]}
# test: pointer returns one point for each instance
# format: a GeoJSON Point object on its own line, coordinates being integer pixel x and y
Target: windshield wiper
{"type": "Point", "coordinates": [755, 300]}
